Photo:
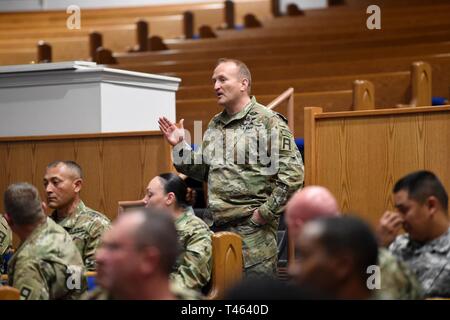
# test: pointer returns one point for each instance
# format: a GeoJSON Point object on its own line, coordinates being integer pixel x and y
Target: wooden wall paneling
{"type": "Point", "coordinates": [115, 167]}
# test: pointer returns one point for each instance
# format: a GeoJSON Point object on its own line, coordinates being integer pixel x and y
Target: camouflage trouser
{"type": "Point", "coordinates": [259, 246]}
{"type": "Point", "coordinates": [266, 268]}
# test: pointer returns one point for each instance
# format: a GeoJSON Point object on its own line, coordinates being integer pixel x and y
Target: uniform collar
{"type": "Point", "coordinates": [187, 212]}
{"type": "Point", "coordinates": [226, 119]}
{"type": "Point", "coordinates": [70, 221]}
{"type": "Point", "coordinates": [32, 236]}
{"type": "Point", "coordinates": [440, 244]}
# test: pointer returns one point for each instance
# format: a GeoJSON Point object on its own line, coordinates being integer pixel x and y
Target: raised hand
{"type": "Point", "coordinates": [390, 225]}
{"type": "Point", "coordinates": [173, 134]}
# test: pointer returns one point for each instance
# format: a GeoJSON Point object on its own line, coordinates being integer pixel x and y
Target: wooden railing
{"type": "Point", "coordinates": [289, 96]}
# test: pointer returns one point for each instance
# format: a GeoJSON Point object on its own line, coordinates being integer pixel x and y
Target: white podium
{"type": "Point", "coordinates": [81, 98]}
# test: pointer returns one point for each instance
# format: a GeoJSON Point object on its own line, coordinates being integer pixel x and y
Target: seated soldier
{"type": "Point", "coordinates": [47, 264]}
{"type": "Point", "coordinates": [312, 202]}
{"type": "Point", "coordinates": [193, 267]}
{"type": "Point", "coordinates": [334, 255]}
{"type": "Point", "coordinates": [5, 243]}
{"type": "Point", "coordinates": [136, 257]}
{"type": "Point", "coordinates": [422, 210]}
{"type": "Point", "coordinates": [63, 181]}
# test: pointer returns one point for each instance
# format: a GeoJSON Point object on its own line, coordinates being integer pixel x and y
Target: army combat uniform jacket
{"type": "Point", "coordinates": [429, 261]}
{"type": "Point", "coordinates": [86, 227]}
{"type": "Point", "coordinates": [193, 267]}
{"type": "Point", "coordinates": [47, 265]}
{"type": "Point", "coordinates": [398, 282]}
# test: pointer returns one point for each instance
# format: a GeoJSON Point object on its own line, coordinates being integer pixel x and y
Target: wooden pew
{"type": "Point", "coordinates": [204, 109]}
{"type": "Point", "coordinates": [9, 293]}
{"type": "Point", "coordinates": [411, 35]}
{"type": "Point", "coordinates": [115, 41]}
{"type": "Point", "coordinates": [359, 155]}
{"type": "Point", "coordinates": [416, 91]}
{"type": "Point", "coordinates": [119, 38]}
{"type": "Point", "coordinates": [183, 65]}
{"type": "Point", "coordinates": [105, 15]}
{"type": "Point", "coordinates": [391, 87]}
{"type": "Point", "coordinates": [303, 52]}
{"type": "Point", "coordinates": [227, 264]}
{"type": "Point", "coordinates": [341, 23]}
{"type": "Point", "coordinates": [119, 33]}
{"type": "Point", "coordinates": [440, 64]}
{"type": "Point", "coordinates": [116, 38]}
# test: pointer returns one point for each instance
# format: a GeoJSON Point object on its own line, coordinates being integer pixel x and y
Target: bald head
{"type": "Point", "coordinates": [308, 204]}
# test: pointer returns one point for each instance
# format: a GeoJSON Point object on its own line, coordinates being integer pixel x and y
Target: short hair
{"type": "Point", "coordinates": [158, 230]}
{"type": "Point", "coordinates": [244, 71]}
{"type": "Point", "coordinates": [72, 165]}
{"type": "Point", "coordinates": [422, 184]}
{"type": "Point", "coordinates": [23, 204]}
{"type": "Point", "coordinates": [173, 183]}
{"type": "Point", "coordinates": [349, 234]}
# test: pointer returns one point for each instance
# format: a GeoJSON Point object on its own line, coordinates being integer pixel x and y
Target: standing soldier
{"type": "Point", "coordinates": [246, 191]}
{"type": "Point", "coordinates": [47, 264]}
{"type": "Point", "coordinates": [63, 181]}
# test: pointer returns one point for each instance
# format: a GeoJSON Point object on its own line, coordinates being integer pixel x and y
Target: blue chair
{"type": "Point", "coordinates": [300, 143]}
{"type": "Point", "coordinates": [4, 261]}
{"type": "Point", "coordinates": [90, 277]}
{"type": "Point", "coordinates": [438, 101]}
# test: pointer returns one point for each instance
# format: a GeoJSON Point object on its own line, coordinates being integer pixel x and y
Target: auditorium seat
{"type": "Point", "coordinates": [227, 263]}
{"type": "Point", "coordinates": [90, 277]}
{"type": "Point", "coordinates": [9, 293]}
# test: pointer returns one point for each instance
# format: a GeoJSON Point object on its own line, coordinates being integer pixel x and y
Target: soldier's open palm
{"type": "Point", "coordinates": [173, 134]}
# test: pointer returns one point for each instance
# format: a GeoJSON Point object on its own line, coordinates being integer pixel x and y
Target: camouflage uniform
{"type": "Point", "coordinates": [397, 280]}
{"type": "Point", "coordinates": [236, 188]}
{"type": "Point", "coordinates": [181, 293]}
{"type": "Point", "coordinates": [5, 242]}
{"type": "Point", "coordinates": [42, 266]}
{"type": "Point", "coordinates": [86, 227]}
{"type": "Point", "coordinates": [193, 267]}
{"type": "Point", "coordinates": [430, 262]}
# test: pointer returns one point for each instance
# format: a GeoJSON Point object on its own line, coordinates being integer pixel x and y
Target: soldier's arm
{"type": "Point", "coordinates": [189, 162]}
{"type": "Point", "coordinates": [95, 235]}
{"type": "Point", "coordinates": [194, 270]}
{"type": "Point", "coordinates": [30, 281]}
{"type": "Point", "coordinates": [290, 174]}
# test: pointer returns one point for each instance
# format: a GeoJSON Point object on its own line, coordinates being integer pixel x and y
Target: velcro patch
{"type": "Point", "coordinates": [286, 144]}
{"type": "Point", "coordinates": [25, 293]}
